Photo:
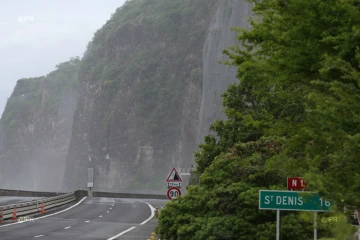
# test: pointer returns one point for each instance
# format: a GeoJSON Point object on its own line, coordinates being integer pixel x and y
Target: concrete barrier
{"type": "Point", "coordinates": [20, 193]}
{"type": "Point", "coordinates": [128, 195]}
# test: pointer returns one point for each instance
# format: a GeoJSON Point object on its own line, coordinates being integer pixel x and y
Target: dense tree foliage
{"type": "Point", "coordinates": [295, 112]}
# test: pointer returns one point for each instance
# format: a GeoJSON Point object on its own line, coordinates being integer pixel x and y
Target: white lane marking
{"type": "Point", "coordinates": [107, 212]}
{"type": "Point", "coordinates": [122, 233]}
{"type": "Point", "coordinates": [152, 213]}
{"type": "Point", "coordinates": [49, 214]}
{"type": "Point", "coordinates": [67, 227]}
{"type": "Point", "coordinates": [110, 208]}
{"type": "Point", "coordinates": [38, 236]}
{"type": "Point", "coordinates": [100, 216]}
{"type": "Point", "coordinates": [87, 221]}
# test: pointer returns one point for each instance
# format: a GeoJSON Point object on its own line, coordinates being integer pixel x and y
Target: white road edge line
{"type": "Point", "coordinates": [122, 233]}
{"type": "Point", "coordinates": [100, 216]}
{"type": "Point", "coordinates": [152, 213]}
{"type": "Point", "coordinates": [67, 209]}
{"type": "Point", "coordinates": [38, 236]}
{"type": "Point", "coordinates": [87, 221]}
{"type": "Point", "coordinates": [67, 227]}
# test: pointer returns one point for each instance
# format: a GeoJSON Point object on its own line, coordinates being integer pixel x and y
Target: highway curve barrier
{"type": "Point", "coordinates": [52, 199]}
{"type": "Point", "coordinates": [36, 206]}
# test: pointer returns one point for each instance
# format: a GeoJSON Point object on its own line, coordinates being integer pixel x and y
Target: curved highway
{"type": "Point", "coordinates": [91, 218]}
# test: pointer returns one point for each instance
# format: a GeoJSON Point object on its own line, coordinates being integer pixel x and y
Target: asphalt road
{"type": "Point", "coordinates": [10, 200]}
{"type": "Point", "coordinates": [93, 218]}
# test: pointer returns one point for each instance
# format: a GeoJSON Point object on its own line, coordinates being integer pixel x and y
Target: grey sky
{"type": "Point", "coordinates": [54, 31]}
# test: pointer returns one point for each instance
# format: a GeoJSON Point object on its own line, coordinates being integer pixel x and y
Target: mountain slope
{"type": "Point", "coordinates": [141, 92]}
{"type": "Point", "coordinates": [35, 130]}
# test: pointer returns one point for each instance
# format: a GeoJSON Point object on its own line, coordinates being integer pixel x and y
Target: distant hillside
{"type": "Point", "coordinates": [36, 128]}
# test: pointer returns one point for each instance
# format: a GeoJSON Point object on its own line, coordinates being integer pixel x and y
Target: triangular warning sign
{"type": "Point", "coordinates": [174, 176]}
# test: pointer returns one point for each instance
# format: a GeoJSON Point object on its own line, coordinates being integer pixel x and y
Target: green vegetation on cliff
{"type": "Point", "coordinates": [32, 95]}
{"type": "Point", "coordinates": [141, 83]}
{"type": "Point", "coordinates": [295, 112]}
{"type": "Point", "coordinates": [156, 48]}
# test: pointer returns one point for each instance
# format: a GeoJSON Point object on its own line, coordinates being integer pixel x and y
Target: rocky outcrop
{"type": "Point", "coordinates": [35, 130]}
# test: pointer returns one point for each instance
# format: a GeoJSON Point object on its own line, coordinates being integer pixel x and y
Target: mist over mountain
{"type": "Point", "coordinates": [136, 105]}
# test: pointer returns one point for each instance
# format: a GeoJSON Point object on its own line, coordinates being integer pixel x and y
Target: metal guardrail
{"type": "Point", "coordinates": [35, 206]}
{"type": "Point", "coordinates": [52, 200]}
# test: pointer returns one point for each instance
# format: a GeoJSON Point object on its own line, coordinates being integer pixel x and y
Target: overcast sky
{"type": "Point", "coordinates": [36, 35]}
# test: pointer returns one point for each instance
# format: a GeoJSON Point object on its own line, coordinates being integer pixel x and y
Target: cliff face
{"type": "Point", "coordinates": [139, 103]}
{"type": "Point", "coordinates": [217, 77]}
{"type": "Point", "coordinates": [35, 130]}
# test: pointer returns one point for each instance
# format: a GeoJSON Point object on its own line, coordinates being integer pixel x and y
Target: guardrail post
{"type": "Point", "coordinates": [1, 216]}
{"type": "Point", "coordinates": [14, 215]}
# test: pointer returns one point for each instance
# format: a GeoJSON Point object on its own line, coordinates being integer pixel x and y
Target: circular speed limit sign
{"type": "Point", "coordinates": [173, 193]}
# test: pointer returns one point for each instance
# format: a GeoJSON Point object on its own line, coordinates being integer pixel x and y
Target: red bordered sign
{"type": "Point", "coordinates": [173, 193]}
{"type": "Point", "coordinates": [174, 176]}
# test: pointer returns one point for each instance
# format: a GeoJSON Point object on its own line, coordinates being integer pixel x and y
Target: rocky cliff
{"type": "Point", "coordinates": [217, 77]}
{"type": "Point", "coordinates": [139, 103]}
{"type": "Point", "coordinates": [149, 87]}
{"type": "Point", "coordinates": [35, 130]}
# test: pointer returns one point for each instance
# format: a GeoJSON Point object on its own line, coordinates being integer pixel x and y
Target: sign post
{"type": "Point", "coordinates": [315, 225]}
{"type": "Point", "coordinates": [278, 224]}
{"type": "Point", "coordinates": [293, 201]}
{"type": "Point", "coordinates": [90, 182]}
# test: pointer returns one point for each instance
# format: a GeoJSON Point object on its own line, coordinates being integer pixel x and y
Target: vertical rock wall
{"type": "Point", "coordinates": [217, 77]}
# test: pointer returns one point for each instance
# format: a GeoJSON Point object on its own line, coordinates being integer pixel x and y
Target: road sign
{"type": "Point", "coordinates": [174, 184]}
{"type": "Point", "coordinates": [173, 193]}
{"type": "Point", "coordinates": [295, 201]}
{"type": "Point", "coordinates": [174, 176]}
{"type": "Point", "coordinates": [297, 183]}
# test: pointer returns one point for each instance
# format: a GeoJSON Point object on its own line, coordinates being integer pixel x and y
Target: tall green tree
{"type": "Point", "coordinates": [294, 112]}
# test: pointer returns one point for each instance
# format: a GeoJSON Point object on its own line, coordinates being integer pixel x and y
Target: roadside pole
{"type": "Point", "coordinates": [90, 181]}
{"type": "Point", "coordinates": [277, 224]}
{"type": "Point", "coordinates": [315, 225]}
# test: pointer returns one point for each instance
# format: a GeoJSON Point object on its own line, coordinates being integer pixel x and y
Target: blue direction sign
{"type": "Point", "coordinates": [294, 201]}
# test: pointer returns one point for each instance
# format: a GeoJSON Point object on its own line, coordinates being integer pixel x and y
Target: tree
{"type": "Point", "coordinates": [294, 112]}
